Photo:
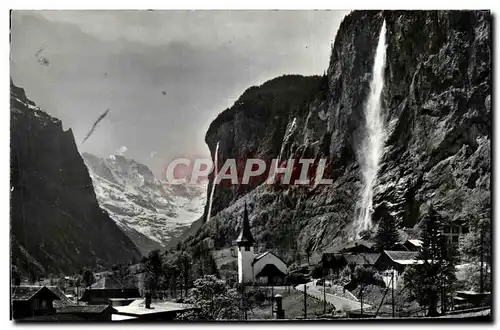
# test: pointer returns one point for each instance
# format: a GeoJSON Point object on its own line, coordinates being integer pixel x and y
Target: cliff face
{"type": "Point", "coordinates": [437, 108]}
{"type": "Point", "coordinates": [56, 223]}
{"type": "Point", "coordinates": [149, 212]}
{"type": "Point", "coordinates": [255, 126]}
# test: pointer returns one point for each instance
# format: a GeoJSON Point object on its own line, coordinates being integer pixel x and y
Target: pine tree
{"type": "Point", "coordinates": [431, 280]}
{"type": "Point", "coordinates": [387, 234]}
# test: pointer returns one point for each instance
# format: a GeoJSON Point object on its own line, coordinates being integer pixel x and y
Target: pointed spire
{"type": "Point", "coordinates": [245, 238]}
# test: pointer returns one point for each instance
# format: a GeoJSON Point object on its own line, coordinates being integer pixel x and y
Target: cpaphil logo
{"type": "Point", "coordinates": [301, 171]}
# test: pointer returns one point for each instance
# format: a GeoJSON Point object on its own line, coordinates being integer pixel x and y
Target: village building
{"type": "Point", "coordinates": [105, 289]}
{"type": "Point", "coordinates": [88, 312]}
{"type": "Point", "coordinates": [392, 265]}
{"type": "Point", "coordinates": [397, 260]}
{"type": "Point", "coordinates": [264, 268]}
{"type": "Point", "coordinates": [359, 246]}
{"type": "Point", "coordinates": [413, 245]}
{"type": "Point", "coordinates": [28, 301]}
{"type": "Point", "coordinates": [336, 261]}
{"type": "Point", "coordinates": [453, 230]}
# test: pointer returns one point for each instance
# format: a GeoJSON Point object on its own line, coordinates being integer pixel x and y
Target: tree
{"type": "Point", "coordinates": [214, 301]}
{"type": "Point", "coordinates": [387, 234]}
{"type": "Point", "coordinates": [122, 275]}
{"type": "Point", "coordinates": [87, 277]}
{"type": "Point", "coordinates": [476, 247]}
{"type": "Point", "coordinates": [433, 279]}
{"type": "Point", "coordinates": [184, 262]}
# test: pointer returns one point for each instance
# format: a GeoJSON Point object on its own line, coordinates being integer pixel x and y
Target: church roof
{"type": "Point", "coordinates": [260, 256]}
{"type": "Point", "coordinates": [245, 237]}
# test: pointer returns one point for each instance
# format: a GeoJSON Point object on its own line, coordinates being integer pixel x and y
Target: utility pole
{"type": "Point", "coordinates": [305, 301]}
{"type": "Point", "coordinates": [324, 293]}
{"type": "Point", "coordinates": [361, 298]}
{"type": "Point", "coordinates": [481, 281]}
{"type": "Point", "coordinates": [392, 286]}
{"type": "Point", "coordinates": [272, 300]}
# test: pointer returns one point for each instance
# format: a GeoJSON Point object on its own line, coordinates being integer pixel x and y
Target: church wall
{"type": "Point", "coordinates": [245, 259]}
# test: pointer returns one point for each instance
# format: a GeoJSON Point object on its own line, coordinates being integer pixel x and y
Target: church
{"type": "Point", "coordinates": [264, 268]}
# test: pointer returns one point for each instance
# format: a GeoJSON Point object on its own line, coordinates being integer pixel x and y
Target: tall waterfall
{"type": "Point", "coordinates": [216, 173]}
{"type": "Point", "coordinates": [372, 147]}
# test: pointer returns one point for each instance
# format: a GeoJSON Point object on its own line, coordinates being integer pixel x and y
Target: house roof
{"type": "Point", "coordinates": [415, 242]}
{"type": "Point", "coordinates": [63, 299]}
{"type": "Point", "coordinates": [245, 237]}
{"type": "Point", "coordinates": [26, 293]}
{"type": "Point", "coordinates": [403, 257]}
{"type": "Point", "coordinates": [331, 255]}
{"type": "Point", "coordinates": [90, 309]}
{"type": "Point", "coordinates": [361, 258]}
{"type": "Point", "coordinates": [138, 308]}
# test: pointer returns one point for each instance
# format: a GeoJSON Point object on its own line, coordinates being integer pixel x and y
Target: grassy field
{"type": "Point", "coordinates": [293, 304]}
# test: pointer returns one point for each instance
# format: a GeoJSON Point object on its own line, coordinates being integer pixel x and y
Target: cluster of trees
{"type": "Point", "coordinates": [214, 300]}
{"type": "Point", "coordinates": [476, 247]}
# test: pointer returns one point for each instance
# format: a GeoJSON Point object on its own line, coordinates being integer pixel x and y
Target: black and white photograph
{"type": "Point", "coordinates": [250, 165]}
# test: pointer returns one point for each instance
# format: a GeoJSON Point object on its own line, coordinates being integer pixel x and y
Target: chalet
{"type": "Point", "coordinates": [396, 260]}
{"type": "Point", "coordinates": [359, 246]}
{"type": "Point", "coordinates": [265, 268]}
{"type": "Point", "coordinates": [453, 231]}
{"type": "Point", "coordinates": [104, 289]}
{"type": "Point", "coordinates": [30, 301]}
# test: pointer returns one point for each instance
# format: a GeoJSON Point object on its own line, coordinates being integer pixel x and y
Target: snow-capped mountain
{"type": "Point", "coordinates": [147, 210]}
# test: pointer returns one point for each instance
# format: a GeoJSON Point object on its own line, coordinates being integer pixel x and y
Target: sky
{"type": "Point", "coordinates": [163, 75]}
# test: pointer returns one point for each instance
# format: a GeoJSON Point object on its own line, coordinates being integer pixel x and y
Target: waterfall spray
{"type": "Point", "coordinates": [372, 146]}
{"type": "Point", "coordinates": [216, 173]}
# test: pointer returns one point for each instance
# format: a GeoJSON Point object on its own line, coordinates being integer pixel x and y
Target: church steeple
{"type": "Point", "coordinates": [245, 238]}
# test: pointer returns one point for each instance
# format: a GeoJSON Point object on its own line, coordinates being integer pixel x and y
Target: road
{"type": "Point", "coordinates": [340, 303]}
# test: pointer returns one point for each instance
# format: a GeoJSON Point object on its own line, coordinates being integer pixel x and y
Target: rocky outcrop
{"type": "Point", "coordinates": [437, 108]}
{"type": "Point", "coordinates": [56, 223]}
